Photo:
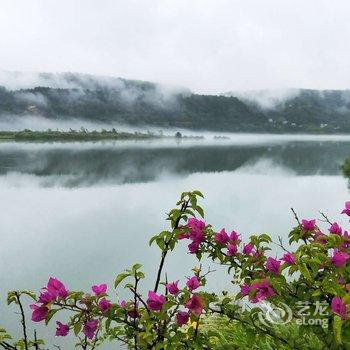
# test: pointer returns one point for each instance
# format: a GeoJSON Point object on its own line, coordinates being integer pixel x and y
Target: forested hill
{"type": "Point", "coordinates": [146, 104]}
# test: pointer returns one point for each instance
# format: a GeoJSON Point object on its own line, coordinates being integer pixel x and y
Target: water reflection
{"type": "Point", "coordinates": [78, 166]}
{"type": "Point", "coordinates": [115, 197]}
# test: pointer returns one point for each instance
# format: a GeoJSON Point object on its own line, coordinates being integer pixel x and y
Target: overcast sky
{"type": "Point", "coordinates": [208, 46]}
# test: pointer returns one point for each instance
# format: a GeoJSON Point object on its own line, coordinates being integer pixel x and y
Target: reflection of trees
{"type": "Point", "coordinates": [120, 164]}
{"type": "Point", "coordinates": [346, 169]}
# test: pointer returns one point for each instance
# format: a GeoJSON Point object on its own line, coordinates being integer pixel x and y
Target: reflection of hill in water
{"type": "Point", "coordinates": [81, 167]}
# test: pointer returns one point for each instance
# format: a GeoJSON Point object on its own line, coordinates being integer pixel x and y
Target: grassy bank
{"type": "Point", "coordinates": [83, 135]}
{"type": "Point", "coordinates": [73, 135]}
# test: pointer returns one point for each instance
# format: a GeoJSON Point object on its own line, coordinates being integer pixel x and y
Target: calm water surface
{"type": "Point", "coordinates": [84, 211]}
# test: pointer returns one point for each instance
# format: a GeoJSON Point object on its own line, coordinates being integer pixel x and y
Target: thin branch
{"type": "Point", "coordinates": [166, 246]}
{"type": "Point", "coordinates": [295, 216]}
{"type": "Point", "coordinates": [138, 296]}
{"type": "Point", "coordinates": [23, 321]}
{"type": "Point", "coordinates": [326, 218]}
{"type": "Point", "coordinates": [280, 244]}
{"type": "Point", "coordinates": [7, 346]}
{"type": "Point", "coordinates": [35, 341]}
{"type": "Point", "coordinates": [135, 303]}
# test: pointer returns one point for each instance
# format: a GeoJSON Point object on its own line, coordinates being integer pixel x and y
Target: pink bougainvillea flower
{"type": "Point", "coordinates": [195, 304]}
{"type": "Point", "coordinates": [308, 225]}
{"type": "Point", "coordinates": [346, 210]}
{"type": "Point", "coordinates": [46, 297]}
{"type": "Point", "coordinates": [192, 283]}
{"type": "Point", "coordinates": [193, 247]}
{"type": "Point", "coordinates": [122, 303]}
{"type": "Point", "coordinates": [89, 328]}
{"type": "Point", "coordinates": [247, 249]}
{"type": "Point", "coordinates": [264, 291]}
{"type": "Point", "coordinates": [133, 313]}
{"type": "Point", "coordinates": [257, 254]}
{"type": "Point", "coordinates": [196, 236]}
{"type": "Point", "coordinates": [273, 265]}
{"type": "Point", "coordinates": [62, 329]}
{"type": "Point", "coordinates": [288, 258]}
{"type": "Point", "coordinates": [104, 305]}
{"type": "Point", "coordinates": [234, 236]}
{"type": "Point", "coordinates": [155, 302]}
{"type": "Point", "coordinates": [182, 318]}
{"type": "Point", "coordinates": [245, 289]}
{"type": "Point", "coordinates": [339, 308]}
{"type": "Point", "coordinates": [222, 237]}
{"type": "Point", "coordinates": [195, 224]}
{"type": "Point", "coordinates": [99, 289]}
{"type": "Point", "coordinates": [336, 229]}
{"type": "Point", "coordinates": [346, 242]}
{"type": "Point", "coordinates": [183, 235]}
{"type": "Point", "coordinates": [320, 237]}
{"type": "Point", "coordinates": [172, 287]}
{"type": "Point", "coordinates": [231, 249]}
{"type": "Point", "coordinates": [39, 313]}
{"type": "Point", "coordinates": [339, 258]}
{"type": "Point", "coordinates": [57, 288]}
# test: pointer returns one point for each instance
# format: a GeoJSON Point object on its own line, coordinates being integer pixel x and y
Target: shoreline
{"type": "Point", "coordinates": [83, 136]}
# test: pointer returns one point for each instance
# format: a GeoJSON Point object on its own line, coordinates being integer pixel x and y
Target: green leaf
{"type": "Point", "coordinates": [50, 314]}
{"type": "Point", "coordinates": [198, 193]}
{"type": "Point", "coordinates": [135, 267]}
{"type": "Point", "coordinates": [305, 272]}
{"type": "Point", "coordinates": [152, 240]}
{"type": "Point", "coordinates": [29, 293]}
{"type": "Point", "coordinates": [200, 211]}
{"type": "Point", "coordinates": [77, 328]}
{"type": "Point", "coordinates": [160, 243]}
{"type": "Point", "coordinates": [337, 326]}
{"type": "Point", "coordinates": [120, 278]}
{"type": "Point", "coordinates": [11, 297]}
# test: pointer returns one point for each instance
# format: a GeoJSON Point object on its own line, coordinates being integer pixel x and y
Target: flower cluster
{"type": "Point", "coordinates": [56, 295]}
{"type": "Point", "coordinates": [317, 268]}
{"type": "Point", "coordinates": [195, 232]}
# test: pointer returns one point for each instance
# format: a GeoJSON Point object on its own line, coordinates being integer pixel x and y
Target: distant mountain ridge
{"type": "Point", "coordinates": [138, 103]}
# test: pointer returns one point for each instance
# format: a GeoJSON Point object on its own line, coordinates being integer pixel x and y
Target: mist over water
{"type": "Point", "coordinates": [70, 209]}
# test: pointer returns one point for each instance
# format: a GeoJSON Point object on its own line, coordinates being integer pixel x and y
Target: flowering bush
{"type": "Point", "coordinates": [177, 314]}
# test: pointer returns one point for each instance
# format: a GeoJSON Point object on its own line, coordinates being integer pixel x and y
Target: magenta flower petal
{"type": "Point", "coordinates": [346, 210]}
{"type": "Point", "coordinates": [263, 291]}
{"type": "Point", "coordinates": [221, 237]}
{"type": "Point", "coordinates": [182, 318]}
{"type": "Point", "coordinates": [195, 304]}
{"type": "Point", "coordinates": [155, 302]}
{"type": "Point", "coordinates": [336, 229]}
{"type": "Point", "coordinates": [339, 258]}
{"type": "Point", "coordinates": [288, 258]}
{"type": "Point", "coordinates": [339, 308]}
{"type": "Point", "coordinates": [46, 297]}
{"type": "Point", "coordinates": [39, 313]}
{"type": "Point", "coordinates": [104, 305]}
{"type": "Point", "coordinates": [273, 265]}
{"type": "Point", "coordinates": [192, 283]}
{"type": "Point", "coordinates": [99, 289]}
{"type": "Point", "coordinates": [90, 328]}
{"type": "Point", "coordinates": [247, 249]}
{"type": "Point", "coordinates": [172, 287]}
{"type": "Point", "coordinates": [231, 249]}
{"type": "Point", "coordinates": [308, 225]}
{"type": "Point", "coordinates": [62, 329]}
{"type": "Point", "coordinates": [57, 288]}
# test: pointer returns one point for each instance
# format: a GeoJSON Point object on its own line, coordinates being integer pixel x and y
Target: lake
{"type": "Point", "coordinates": [84, 211]}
